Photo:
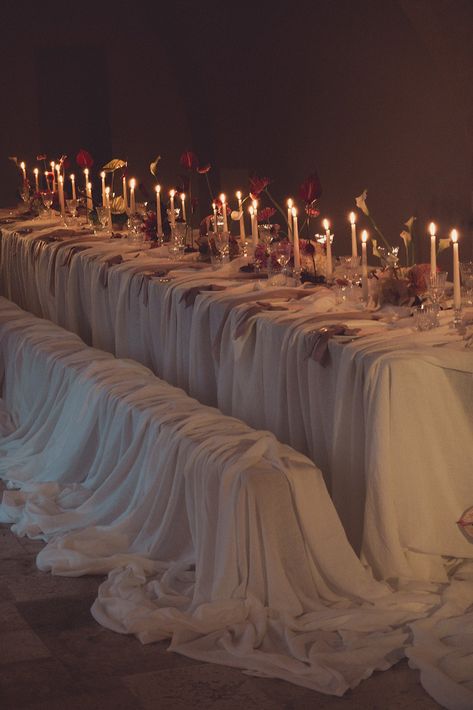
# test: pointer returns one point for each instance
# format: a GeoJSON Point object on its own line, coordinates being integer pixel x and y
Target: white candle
{"type": "Point", "coordinates": [223, 200]}
{"type": "Point", "coordinates": [60, 182]}
{"type": "Point", "coordinates": [88, 190]}
{"type": "Point", "coordinates": [457, 299]}
{"type": "Point", "coordinates": [354, 245]}
{"type": "Point", "coordinates": [125, 195]}
{"type": "Point", "coordinates": [58, 171]}
{"type": "Point", "coordinates": [290, 205]}
{"type": "Point", "coordinates": [214, 207]}
{"type": "Point", "coordinates": [23, 170]}
{"type": "Point", "coordinates": [241, 219]}
{"type": "Point", "coordinates": [183, 203]}
{"type": "Point", "coordinates": [73, 183]}
{"type": "Point", "coordinates": [102, 175]}
{"type": "Point", "coordinates": [254, 226]}
{"type": "Point", "coordinates": [255, 212]}
{"type": "Point", "coordinates": [46, 177]}
{"type": "Point", "coordinates": [328, 241]}
{"type": "Point", "coordinates": [364, 266]}
{"type": "Point", "coordinates": [132, 184]}
{"type": "Point", "coordinates": [86, 177]}
{"type": "Point", "coordinates": [36, 179]}
{"type": "Point", "coordinates": [159, 221]}
{"type": "Point", "coordinates": [295, 235]}
{"type": "Point", "coordinates": [53, 165]}
{"type": "Point", "coordinates": [433, 249]}
{"type": "Point", "coordinates": [109, 209]}
{"type": "Point", "coordinates": [171, 202]}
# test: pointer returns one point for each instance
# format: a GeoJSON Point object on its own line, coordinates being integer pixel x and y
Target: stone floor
{"type": "Point", "coordinates": [54, 656]}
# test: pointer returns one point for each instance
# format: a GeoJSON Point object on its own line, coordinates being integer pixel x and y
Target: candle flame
{"type": "Point", "coordinates": [238, 195]}
{"type": "Point", "coordinates": [107, 191]}
{"type": "Point", "coordinates": [158, 189]}
{"type": "Point", "coordinates": [290, 204]}
{"type": "Point", "coordinates": [432, 229]}
{"type": "Point", "coordinates": [214, 206]}
{"type": "Point", "coordinates": [294, 212]}
{"type": "Point", "coordinates": [102, 175]}
{"type": "Point", "coordinates": [454, 236]}
{"type": "Point", "coordinates": [364, 236]}
{"type": "Point", "coordinates": [72, 177]}
{"type": "Point", "coordinates": [352, 217]}
{"type": "Point", "coordinates": [89, 186]}
{"type": "Point", "coordinates": [22, 165]}
{"type": "Point", "coordinates": [52, 164]}
{"type": "Point", "coordinates": [255, 205]}
{"type": "Point", "coordinates": [58, 168]}
{"type": "Point", "coordinates": [326, 224]}
{"type": "Point", "coordinates": [183, 196]}
{"type": "Point", "coordinates": [132, 183]}
{"type": "Point", "coordinates": [36, 171]}
{"type": "Point", "coordinates": [223, 198]}
{"type": "Point", "coordinates": [60, 179]}
{"type": "Point", "coordinates": [251, 210]}
{"type": "Point", "coordinates": [86, 172]}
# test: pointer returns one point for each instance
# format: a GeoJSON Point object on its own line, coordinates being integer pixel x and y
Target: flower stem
{"type": "Point", "coordinates": [278, 207]}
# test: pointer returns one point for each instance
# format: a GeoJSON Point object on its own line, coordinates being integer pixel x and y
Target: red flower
{"type": "Point", "coordinates": [265, 215]}
{"type": "Point", "coordinates": [41, 157]}
{"type": "Point", "coordinates": [311, 211]}
{"type": "Point", "coordinates": [311, 189]}
{"type": "Point", "coordinates": [306, 247]}
{"type": "Point", "coordinates": [418, 277]}
{"type": "Point", "coordinates": [84, 159]}
{"type": "Point", "coordinates": [204, 169]}
{"type": "Point", "coordinates": [189, 160]}
{"type": "Point", "coordinates": [257, 185]}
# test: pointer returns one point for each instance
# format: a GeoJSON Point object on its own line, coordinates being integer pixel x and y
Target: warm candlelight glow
{"type": "Point", "coordinates": [22, 165]}
{"type": "Point", "coordinates": [326, 224]}
{"type": "Point", "coordinates": [364, 236]}
{"type": "Point", "coordinates": [293, 211]}
{"type": "Point", "coordinates": [255, 204]}
{"type": "Point", "coordinates": [158, 189]}
{"type": "Point", "coordinates": [86, 173]}
{"type": "Point", "coordinates": [454, 236]}
{"type": "Point", "coordinates": [107, 191]}
{"type": "Point", "coordinates": [132, 183]}
{"type": "Point", "coordinates": [58, 168]}
{"type": "Point", "coordinates": [72, 177]}
{"type": "Point", "coordinates": [183, 196]}
{"type": "Point", "coordinates": [60, 179]}
{"type": "Point", "coordinates": [222, 198]}
{"type": "Point", "coordinates": [251, 210]}
{"type": "Point", "coordinates": [290, 204]}
{"type": "Point", "coordinates": [352, 218]}
{"type": "Point", "coordinates": [171, 192]}
{"type": "Point", "coordinates": [238, 195]}
{"type": "Point", "coordinates": [432, 229]}
{"type": "Point", "coordinates": [214, 206]}
{"type": "Point", "coordinates": [102, 175]}
{"type": "Point", "coordinates": [36, 171]}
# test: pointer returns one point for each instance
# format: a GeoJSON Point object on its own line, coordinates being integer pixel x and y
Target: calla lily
{"type": "Point", "coordinates": [406, 237]}
{"type": "Point", "coordinates": [361, 202]}
{"type": "Point", "coordinates": [374, 244]}
{"type": "Point", "coordinates": [153, 167]}
{"type": "Point", "coordinates": [443, 244]}
{"type": "Point", "coordinates": [236, 215]}
{"type": "Point", "coordinates": [311, 189]}
{"type": "Point", "coordinates": [257, 185]}
{"type": "Point", "coordinates": [410, 223]}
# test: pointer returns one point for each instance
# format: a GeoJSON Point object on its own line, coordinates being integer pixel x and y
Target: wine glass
{"type": "Point", "coordinates": [466, 269]}
{"type": "Point", "coordinates": [102, 214]}
{"type": "Point", "coordinates": [47, 200]}
{"type": "Point", "coordinates": [282, 251]}
{"type": "Point", "coordinates": [222, 243]}
{"type": "Point", "coordinates": [72, 207]}
{"type": "Point", "coordinates": [435, 286]}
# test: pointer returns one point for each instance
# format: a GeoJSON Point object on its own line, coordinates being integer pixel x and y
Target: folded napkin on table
{"type": "Point", "coordinates": [191, 294]}
{"type": "Point", "coordinates": [109, 261]}
{"type": "Point", "coordinates": [318, 341]}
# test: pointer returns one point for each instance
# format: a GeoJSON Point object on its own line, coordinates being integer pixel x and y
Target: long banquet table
{"type": "Point", "coordinates": [388, 420]}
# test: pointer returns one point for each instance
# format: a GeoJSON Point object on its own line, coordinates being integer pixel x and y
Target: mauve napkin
{"type": "Point", "coordinates": [318, 341]}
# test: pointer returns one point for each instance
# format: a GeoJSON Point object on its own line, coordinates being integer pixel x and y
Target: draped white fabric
{"type": "Point", "coordinates": [213, 534]}
{"type": "Point", "coordinates": [389, 422]}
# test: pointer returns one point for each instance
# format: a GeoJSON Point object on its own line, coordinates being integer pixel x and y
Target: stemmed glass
{"type": "Point", "coordinates": [282, 251]}
{"type": "Point", "coordinates": [222, 244]}
{"type": "Point", "coordinates": [72, 207]}
{"type": "Point", "coordinates": [435, 287]}
{"type": "Point", "coordinates": [47, 199]}
{"type": "Point", "coordinates": [466, 269]}
{"type": "Point", "coordinates": [102, 214]}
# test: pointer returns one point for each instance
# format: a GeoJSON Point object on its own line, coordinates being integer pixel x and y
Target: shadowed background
{"type": "Point", "coordinates": [371, 94]}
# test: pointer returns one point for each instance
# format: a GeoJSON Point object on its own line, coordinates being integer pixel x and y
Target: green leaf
{"type": "Point", "coordinates": [113, 165]}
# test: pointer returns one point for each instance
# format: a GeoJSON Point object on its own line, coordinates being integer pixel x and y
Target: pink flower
{"type": "Point", "coordinates": [265, 214]}
{"type": "Point", "coordinates": [189, 160]}
{"type": "Point", "coordinates": [84, 159]}
{"type": "Point", "coordinates": [257, 185]}
{"type": "Point", "coordinates": [311, 189]}
{"type": "Point", "coordinates": [203, 169]}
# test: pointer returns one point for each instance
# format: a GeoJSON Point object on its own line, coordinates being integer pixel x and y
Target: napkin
{"type": "Point", "coordinates": [319, 339]}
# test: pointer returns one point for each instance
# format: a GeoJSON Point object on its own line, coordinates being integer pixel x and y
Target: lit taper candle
{"type": "Point", "coordinates": [254, 226]}
{"type": "Point", "coordinates": [354, 245]}
{"type": "Point", "coordinates": [223, 200]}
{"type": "Point", "coordinates": [132, 184]}
{"type": "Point", "coordinates": [73, 185]}
{"type": "Point", "coordinates": [295, 234]}
{"type": "Point", "coordinates": [328, 243]}
{"type": "Point", "coordinates": [433, 249]}
{"type": "Point", "coordinates": [36, 179]}
{"type": "Point", "coordinates": [457, 299]}
{"type": "Point", "coordinates": [364, 266]}
{"type": "Point", "coordinates": [171, 202]}
{"type": "Point", "coordinates": [102, 176]}
{"type": "Point", "coordinates": [183, 204]}
{"type": "Point", "coordinates": [159, 221]}
{"type": "Point", "coordinates": [23, 170]}
{"type": "Point", "coordinates": [290, 205]}
{"type": "Point", "coordinates": [241, 218]}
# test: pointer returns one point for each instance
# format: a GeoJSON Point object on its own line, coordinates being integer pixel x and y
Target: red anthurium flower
{"type": "Point", "coordinates": [202, 169]}
{"type": "Point", "coordinates": [257, 185]}
{"type": "Point", "coordinates": [265, 214]}
{"type": "Point", "coordinates": [84, 159]}
{"type": "Point", "coordinates": [311, 189]}
{"type": "Point", "coordinates": [189, 160]}
{"type": "Point", "coordinates": [65, 162]}
{"type": "Point", "coordinates": [306, 247]}
{"type": "Point", "coordinates": [41, 157]}
{"type": "Point", "coordinates": [311, 210]}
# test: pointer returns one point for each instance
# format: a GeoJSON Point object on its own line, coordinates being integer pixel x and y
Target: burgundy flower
{"type": "Point", "coordinates": [310, 189]}
{"type": "Point", "coordinates": [418, 277]}
{"type": "Point", "coordinates": [312, 211]}
{"type": "Point", "coordinates": [265, 214]}
{"type": "Point", "coordinates": [257, 185]}
{"type": "Point", "coordinates": [203, 169]}
{"type": "Point", "coordinates": [306, 247]}
{"type": "Point", "coordinates": [189, 160]}
{"type": "Point", "coordinates": [41, 157]}
{"type": "Point", "coordinates": [84, 159]}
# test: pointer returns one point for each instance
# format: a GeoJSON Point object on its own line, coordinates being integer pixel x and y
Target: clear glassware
{"type": "Point", "coordinates": [72, 207]}
{"type": "Point", "coordinates": [177, 244]}
{"type": "Point", "coordinates": [436, 284]}
{"type": "Point", "coordinates": [426, 317]}
{"type": "Point", "coordinates": [47, 200]}
{"type": "Point", "coordinates": [265, 234]}
{"type": "Point", "coordinates": [135, 228]}
{"type": "Point", "coordinates": [102, 214]}
{"type": "Point", "coordinates": [466, 270]}
{"type": "Point", "coordinates": [222, 243]}
{"type": "Point", "coordinates": [282, 251]}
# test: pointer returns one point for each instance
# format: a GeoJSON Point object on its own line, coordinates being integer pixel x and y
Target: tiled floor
{"type": "Point", "coordinates": [54, 656]}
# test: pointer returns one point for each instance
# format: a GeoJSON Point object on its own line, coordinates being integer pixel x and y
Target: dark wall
{"type": "Point", "coordinates": [372, 94]}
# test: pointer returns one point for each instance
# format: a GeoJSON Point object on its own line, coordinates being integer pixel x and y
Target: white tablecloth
{"type": "Point", "coordinates": [389, 421]}
{"type": "Point", "coordinates": [213, 534]}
